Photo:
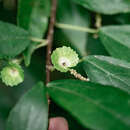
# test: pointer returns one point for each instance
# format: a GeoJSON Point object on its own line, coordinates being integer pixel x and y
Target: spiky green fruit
{"type": "Point", "coordinates": [64, 58]}
{"type": "Point", "coordinates": [12, 75]}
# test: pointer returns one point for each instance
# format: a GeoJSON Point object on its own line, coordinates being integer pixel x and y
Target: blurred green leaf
{"type": "Point", "coordinates": [108, 71]}
{"type": "Point", "coordinates": [70, 13]}
{"type": "Point", "coordinates": [13, 40]}
{"type": "Point", "coordinates": [106, 6]}
{"type": "Point", "coordinates": [28, 53]}
{"type": "Point", "coordinates": [33, 16]}
{"type": "Point", "coordinates": [116, 40]}
{"type": "Point", "coordinates": [31, 112]}
{"type": "Point", "coordinates": [6, 102]}
{"type": "Point", "coordinates": [95, 106]}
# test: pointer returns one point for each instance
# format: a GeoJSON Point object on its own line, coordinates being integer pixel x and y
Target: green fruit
{"type": "Point", "coordinates": [12, 75]}
{"type": "Point", "coordinates": [64, 58]}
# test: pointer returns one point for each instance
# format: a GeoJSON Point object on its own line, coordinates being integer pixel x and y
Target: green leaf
{"type": "Point", "coordinates": [33, 16]}
{"type": "Point", "coordinates": [28, 53]}
{"type": "Point", "coordinates": [72, 14]}
{"type": "Point", "coordinates": [96, 106]}
{"type": "Point", "coordinates": [31, 112]}
{"type": "Point", "coordinates": [13, 40]}
{"type": "Point", "coordinates": [116, 40]}
{"type": "Point", "coordinates": [106, 6]}
{"type": "Point", "coordinates": [108, 71]}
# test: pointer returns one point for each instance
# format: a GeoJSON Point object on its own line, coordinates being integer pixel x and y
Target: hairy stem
{"type": "Point", "coordinates": [77, 75]}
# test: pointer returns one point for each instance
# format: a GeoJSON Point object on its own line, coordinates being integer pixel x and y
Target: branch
{"type": "Point", "coordinates": [50, 39]}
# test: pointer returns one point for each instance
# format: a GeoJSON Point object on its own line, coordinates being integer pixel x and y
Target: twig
{"type": "Point", "coordinates": [50, 39]}
{"type": "Point", "coordinates": [37, 40]}
{"type": "Point", "coordinates": [76, 28]}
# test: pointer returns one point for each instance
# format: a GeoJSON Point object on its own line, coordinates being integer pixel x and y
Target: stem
{"type": "Point", "coordinates": [37, 40]}
{"type": "Point", "coordinates": [77, 28]}
{"type": "Point", "coordinates": [43, 42]}
{"type": "Point", "coordinates": [49, 45]}
{"type": "Point", "coordinates": [82, 59]}
{"type": "Point", "coordinates": [41, 45]}
{"type": "Point", "coordinates": [50, 39]}
{"type": "Point", "coordinates": [77, 75]}
{"type": "Point", "coordinates": [98, 23]}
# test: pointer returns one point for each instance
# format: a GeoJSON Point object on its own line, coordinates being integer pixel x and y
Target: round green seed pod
{"type": "Point", "coordinates": [12, 75]}
{"type": "Point", "coordinates": [64, 58]}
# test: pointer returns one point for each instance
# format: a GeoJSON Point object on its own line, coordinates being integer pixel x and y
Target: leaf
{"type": "Point", "coordinates": [106, 6]}
{"type": "Point", "coordinates": [96, 106]}
{"type": "Point", "coordinates": [72, 14]}
{"type": "Point", "coordinates": [28, 53]}
{"type": "Point", "coordinates": [33, 16]}
{"type": "Point", "coordinates": [108, 71]}
{"type": "Point", "coordinates": [116, 40]}
{"type": "Point", "coordinates": [5, 105]}
{"type": "Point", "coordinates": [13, 40]}
{"type": "Point", "coordinates": [31, 112]}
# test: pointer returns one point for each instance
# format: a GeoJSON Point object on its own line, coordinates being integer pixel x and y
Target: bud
{"type": "Point", "coordinates": [12, 74]}
{"type": "Point", "coordinates": [64, 58]}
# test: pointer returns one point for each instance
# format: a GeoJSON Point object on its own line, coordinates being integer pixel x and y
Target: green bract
{"type": "Point", "coordinates": [64, 58]}
{"type": "Point", "coordinates": [12, 75]}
